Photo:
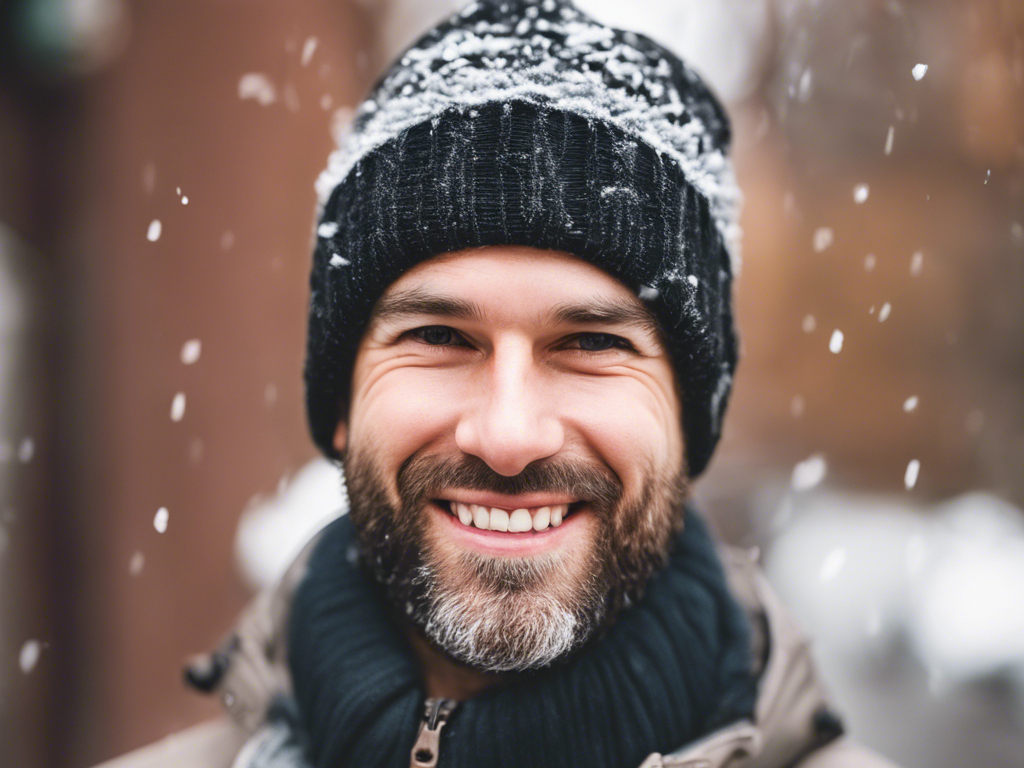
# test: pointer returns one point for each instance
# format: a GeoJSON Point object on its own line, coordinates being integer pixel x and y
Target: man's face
{"type": "Point", "coordinates": [513, 452]}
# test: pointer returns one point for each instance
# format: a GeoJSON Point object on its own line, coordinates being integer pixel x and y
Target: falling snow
{"type": "Point", "coordinates": [136, 564]}
{"type": "Point", "coordinates": [227, 240]}
{"type": "Point", "coordinates": [806, 88]}
{"type": "Point", "coordinates": [257, 86]}
{"type": "Point", "coordinates": [160, 520]}
{"type": "Point", "coordinates": [869, 262]}
{"type": "Point", "coordinates": [178, 407]}
{"type": "Point", "coordinates": [883, 313]}
{"type": "Point", "coordinates": [835, 344]}
{"type": "Point", "coordinates": [919, 71]}
{"type": "Point", "coordinates": [809, 324]}
{"type": "Point", "coordinates": [910, 404]}
{"type": "Point", "coordinates": [916, 263]}
{"type": "Point", "coordinates": [26, 450]}
{"type": "Point", "coordinates": [860, 193]}
{"type": "Point", "coordinates": [823, 238]}
{"type": "Point", "coordinates": [337, 260]}
{"type": "Point", "coordinates": [29, 655]}
{"type": "Point", "coordinates": [809, 472]}
{"type": "Point", "coordinates": [889, 140]}
{"type": "Point", "coordinates": [153, 233]}
{"type": "Point", "coordinates": [832, 564]}
{"type": "Point", "coordinates": [308, 49]}
{"type": "Point", "coordinates": [190, 351]}
{"type": "Point", "coordinates": [184, 199]}
{"type": "Point", "coordinates": [910, 476]}
{"type": "Point", "coordinates": [327, 230]}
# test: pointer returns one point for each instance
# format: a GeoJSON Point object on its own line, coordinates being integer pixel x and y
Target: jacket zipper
{"type": "Point", "coordinates": [427, 748]}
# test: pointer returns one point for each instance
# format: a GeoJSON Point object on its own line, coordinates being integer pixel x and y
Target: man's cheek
{"type": "Point", "coordinates": [406, 413]}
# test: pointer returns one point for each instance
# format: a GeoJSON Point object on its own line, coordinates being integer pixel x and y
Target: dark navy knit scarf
{"type": "Point", "coordinates": [674, 667]}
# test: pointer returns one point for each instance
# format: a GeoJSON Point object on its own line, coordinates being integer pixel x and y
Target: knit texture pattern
{"type": "Point", "coordinates": [526, 123]}
{"type": "Point", "coordinates": [674, 667]}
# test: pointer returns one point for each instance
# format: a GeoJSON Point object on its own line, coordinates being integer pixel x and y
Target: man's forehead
{"type": "Point", "coordinates": [554, 287]}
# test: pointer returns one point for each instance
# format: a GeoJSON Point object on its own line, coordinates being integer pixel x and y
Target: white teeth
{"type": "Point", "coordinates": [542, 519]}
{"type": "Point", "coordinates": [520, 521]}
{"type": "Point", "coordinates": [517, 521]}
{"type": "Point", "coordinates": [499, 519]}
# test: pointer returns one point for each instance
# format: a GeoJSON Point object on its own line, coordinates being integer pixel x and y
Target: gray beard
{"type": "Point", "coordinates": [504, 619]}
{"type": "Point", "coordinates": [510, 615]}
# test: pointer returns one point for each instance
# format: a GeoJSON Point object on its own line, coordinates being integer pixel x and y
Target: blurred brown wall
{"type": "Point", "coordinates": [230, 269]}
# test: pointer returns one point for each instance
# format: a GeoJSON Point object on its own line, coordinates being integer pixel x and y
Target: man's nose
{"type": "Point", "coordinates": [509, 423]}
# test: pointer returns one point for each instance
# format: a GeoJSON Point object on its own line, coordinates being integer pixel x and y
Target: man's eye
{"type": "Point", "coordinates": [599, 342]}
{"type": "Point", "coordinates": [438, 336]}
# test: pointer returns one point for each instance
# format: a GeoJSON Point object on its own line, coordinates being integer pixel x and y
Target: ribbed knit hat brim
{"type": "Point", "coordinates": [515, 173]}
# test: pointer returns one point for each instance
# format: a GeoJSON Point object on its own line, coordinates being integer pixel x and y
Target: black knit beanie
{"type": "Point", "coordinates": [529, 123]}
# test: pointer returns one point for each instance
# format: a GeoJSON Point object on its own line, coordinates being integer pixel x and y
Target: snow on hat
{"type": "Point", "coordinates": [529, 123]}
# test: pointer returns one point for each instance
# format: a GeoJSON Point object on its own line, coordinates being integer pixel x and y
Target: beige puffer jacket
{"type": "Point", "coordinates": [791, 729]}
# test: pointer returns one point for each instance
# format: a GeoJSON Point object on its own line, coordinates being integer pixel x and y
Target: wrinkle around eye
{"type": "Point", "coordinates": [393, 363]}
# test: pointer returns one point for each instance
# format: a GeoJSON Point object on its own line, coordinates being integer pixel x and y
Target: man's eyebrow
{"type": "Point", "coordinates": [417, 302]}
{"type": "Point", "coordinates": [604, 312]}
{"type": "Point", "coordinates": [607, 312]}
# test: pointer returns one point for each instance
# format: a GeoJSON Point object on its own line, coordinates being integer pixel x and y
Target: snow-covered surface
{"type": "Point", "coordinates": [273, 531]}
{"type": "Point", "coordinates": [495, 61]}
{"type": "Point", "coordinates": [863, 571]}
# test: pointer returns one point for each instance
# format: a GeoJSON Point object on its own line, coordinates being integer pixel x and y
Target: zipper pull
{"type": "Point", "coordinates": [427, 748]}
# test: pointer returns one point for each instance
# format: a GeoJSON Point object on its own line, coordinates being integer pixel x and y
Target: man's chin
{"type": "Point", "coordinates": [511, 612]}
{"type": "Point", "coordinates": [506, 632]}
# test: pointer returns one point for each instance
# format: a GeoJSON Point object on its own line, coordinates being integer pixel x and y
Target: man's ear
{"type": "Point", "coordinates": [340, 437]}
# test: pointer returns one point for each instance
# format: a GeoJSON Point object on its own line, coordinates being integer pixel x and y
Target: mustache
{"type": "Point", "coordinates": [425, 477]}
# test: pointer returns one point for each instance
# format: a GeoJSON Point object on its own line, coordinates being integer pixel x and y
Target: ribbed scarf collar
{"type": "Point", "coordinates": [674, 667]}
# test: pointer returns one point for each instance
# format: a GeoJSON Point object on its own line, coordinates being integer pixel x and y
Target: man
{"type": "Point", "coordinates": [520, 348]}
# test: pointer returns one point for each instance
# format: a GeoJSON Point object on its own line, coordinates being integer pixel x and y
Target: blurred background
{"type": "Point", "coordinates": [157, 162]}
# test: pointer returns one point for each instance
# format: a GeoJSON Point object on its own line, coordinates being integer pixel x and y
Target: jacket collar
{"type": "Point", "coordinates": [791, 718]}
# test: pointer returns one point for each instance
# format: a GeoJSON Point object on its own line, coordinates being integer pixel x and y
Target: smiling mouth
{"type": "Point", "coordinates": [520, 520]}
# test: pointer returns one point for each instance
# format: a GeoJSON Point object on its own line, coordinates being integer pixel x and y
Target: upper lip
{"type": "Point", "coordinates": [521, 501]}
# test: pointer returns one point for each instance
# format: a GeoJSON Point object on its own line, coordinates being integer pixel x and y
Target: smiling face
{"type": "Point", "coordinates": [513, 452]}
